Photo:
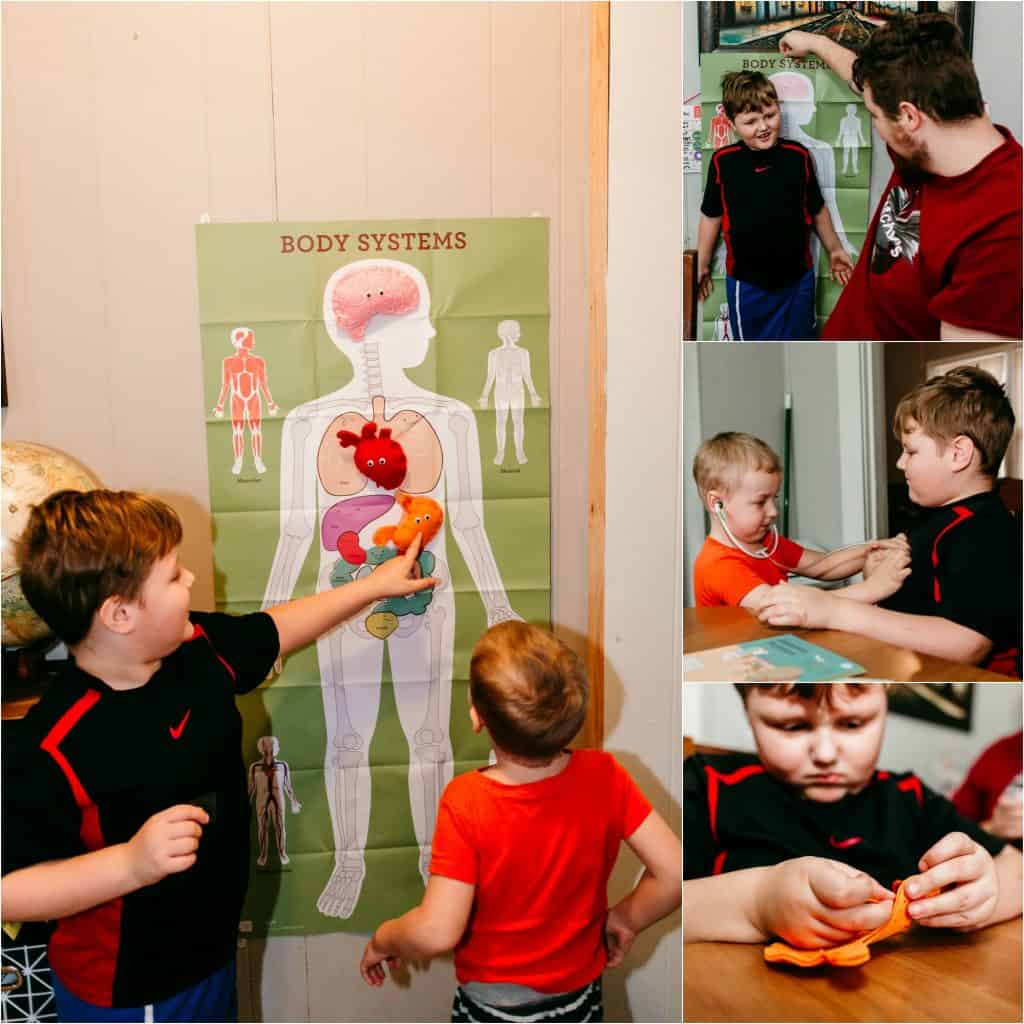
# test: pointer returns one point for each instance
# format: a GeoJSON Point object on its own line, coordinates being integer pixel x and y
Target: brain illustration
{"type": "Point", "coordinates": [363, 294]}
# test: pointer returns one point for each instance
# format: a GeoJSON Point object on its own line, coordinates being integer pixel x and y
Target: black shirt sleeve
{"type": "Point", "coordinates": [249, 644]}
{"type": "Point", "coordinates": [940, 817]}
{"type": "Point", "coordinates": [815, 200]}
{"type": "Point", "coordinates": [698, 843]}
{"type": "Point", "coordinates": [41, 821]}
{"type": "Point", "coordinates": [712, 204]}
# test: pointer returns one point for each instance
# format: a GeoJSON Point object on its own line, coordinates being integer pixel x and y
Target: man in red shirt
{"type": "Point", "coordinates": [991, 792]}
{"type": "Point", "coordinates": [523, 849]}
{"type": "Point", "coordinates": [943, 253]}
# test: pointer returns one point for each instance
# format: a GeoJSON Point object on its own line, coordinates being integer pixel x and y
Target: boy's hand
{"type": "Point", "coordinates": [166, 843]}
{"type": "Point", "coordinates": [371, 967]}
{"type": "Point", "coordinates": [790, 604]}
{"type": "Point", "coordinates": [618, 937]}
{"type": "Point", "coordinates": [839, 266]}
{"type": "Point", "coordinates": [704, 283]}
{"type": "Point", "coordinates": [797, 44]}
{"type": "Point", "coordinates": [888, 571]}
{"type": "Point", "coordinates": [955, 860]}
{"type": "Point", "coordinates": [811, 902]}
{"type": "Point", "coordinates": [1006, 817]}
{"type": "Point", "coordinates": [397, 577]}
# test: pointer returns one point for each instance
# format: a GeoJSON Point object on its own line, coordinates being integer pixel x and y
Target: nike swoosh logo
{"type": "Point", "coordinates": [761, 170]}
{"type": "Point", "coordinates": [844, 844]}
{"type": "Point", "coordinates": [176, 732]}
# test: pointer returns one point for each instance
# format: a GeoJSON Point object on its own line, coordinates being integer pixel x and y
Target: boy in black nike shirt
{"type": "Point", "coordinates": [762, 194]}
{"type": "Point", "coordinates": [962, 600]}
{"type": "Point", "coordinates": [128, 822]}
{"type": "Point", "coordinates": [795, 841]}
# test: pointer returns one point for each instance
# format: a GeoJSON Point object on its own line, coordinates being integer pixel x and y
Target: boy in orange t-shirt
{"type": "Point", "coordinates": [523, 849]}
{"type": "Point", "coordinates": [744, 556]}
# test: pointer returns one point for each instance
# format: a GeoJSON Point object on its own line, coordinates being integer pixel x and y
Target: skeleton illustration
{"type": "Point", "coordinates": [377, 314]}
{"type": "Point", "coordinates": [508, 369]}
{"type": "Point", "coordinates": [270, 782]}
{"type": "Point", "coordinates": [245, 375]}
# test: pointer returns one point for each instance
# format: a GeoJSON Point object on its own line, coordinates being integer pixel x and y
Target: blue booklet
{"type": "Point", "coordinates": [780, 659]}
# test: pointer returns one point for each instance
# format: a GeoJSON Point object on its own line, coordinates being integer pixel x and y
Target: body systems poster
{"type": "Point", "coordinates": [357, 375]}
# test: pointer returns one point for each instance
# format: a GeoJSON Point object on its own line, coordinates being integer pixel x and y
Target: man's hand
{"type": "Point", "coordinates": [618, 937]}
{"type": "Point", "coordinates": [955, 860]}
{"type": "Point", "coordinates": [166, 843]}
{"type": "Point", "coordinates": [704, 283]}
{"type": "Point", "coordinates": [790, 604]}
{"type": "Point", "coordinates": [811, 902]}
{"type": "Point", "coordinates": [798, 44]}
{"type": "Point", "coordinates": [839, 266]}
{"type": "Point", "coordinates": [1006, 817]}
{"type": "Point", "coordinates": [371, 967]}
{"type": "Point", "coordinates": [399, 576]}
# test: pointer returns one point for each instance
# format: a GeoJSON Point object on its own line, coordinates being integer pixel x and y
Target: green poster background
{"type": "Point", "coordinates": [247, 279]}
{"type": "Point", "coordinates": [821, 121]}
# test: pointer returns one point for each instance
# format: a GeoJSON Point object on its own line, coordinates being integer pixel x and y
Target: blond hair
{"type": "Point", "coordinates": [966, 401]}
{"type": "Point", "coordinates": [529, 689]}
{"type": "Point", "coordinates": [81, 547]}
{"type": "Point", "coordinates": [721, 461]}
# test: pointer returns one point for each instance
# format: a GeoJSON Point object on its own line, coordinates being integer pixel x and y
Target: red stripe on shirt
{"type": "Point", "coordinates": [714, 778]}
{"type": "Point", "coordinates": [912, 785]}
{"type": "Point", "coordinates": [962, 515]}
{"type": "Point", "coordinates": [84, 947]}
{"type": "Point", "coordinates": [198, 631]}
{"type": "Point", "coordinates": [730, 261]}
{"type": "Point", "coordinates": [807, 180]}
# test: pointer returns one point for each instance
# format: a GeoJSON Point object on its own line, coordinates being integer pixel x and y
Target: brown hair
{"type": "Point", "coordinates": [821, 693]}
{"type": "Point", "coordinates": [529, 688]}
{"type": "Point", "coordinates": [967, 401]}
{"type": "Point", "coordinates": [920, 60]}
{"type": "Point", "coordinates": [743, 91]}
{"type": "Point", "coordinates": [721, 461]}
{"type": "Point", "coordinates": [81, 547]}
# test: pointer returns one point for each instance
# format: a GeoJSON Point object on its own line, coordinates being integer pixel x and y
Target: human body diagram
{"type": "Point", "coordinates": [720, 128]}
{"type": "Point", "coordinates": [508, 370]}
{"type": "Point", "coordinates": [343, 482]}
{"type": "Point", "coordinates": [851, 138]}
{"type": "Point", "coordinates": [244, 376]}
{"type": "Point", "coordinates": [270, 782]}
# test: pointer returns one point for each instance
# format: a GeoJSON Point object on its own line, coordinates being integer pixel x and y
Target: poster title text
{"type": "Point", "coordinates": [388, 241]}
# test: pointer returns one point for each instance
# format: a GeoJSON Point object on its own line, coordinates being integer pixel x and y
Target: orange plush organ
{"type": "Point", "coordinates": [850, 954]}
{"type": "Point", "coordinates": [422, 516]}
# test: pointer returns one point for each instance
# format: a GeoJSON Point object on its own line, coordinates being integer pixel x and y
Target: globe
{"type": "Point", "coordinates": [30, 472]}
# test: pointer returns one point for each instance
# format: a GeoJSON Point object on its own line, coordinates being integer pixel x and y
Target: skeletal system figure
{"type": "Point", "coordinates": [508, 369]}
{"type": "Point", "coordinates": [377, 314]}
{"type": "Point", "coordinates": [244, 375]}
{"type": "Point", "coordinates": [270, 782]}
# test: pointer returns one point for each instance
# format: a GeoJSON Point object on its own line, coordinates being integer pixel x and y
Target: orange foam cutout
{"type": "Point", "coordinates": [850, 954]}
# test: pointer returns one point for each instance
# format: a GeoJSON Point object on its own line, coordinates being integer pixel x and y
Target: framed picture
{"type": "Point", "coordinates": [946, 704]}
{"type": "Point", "coordinates": [758, 25]}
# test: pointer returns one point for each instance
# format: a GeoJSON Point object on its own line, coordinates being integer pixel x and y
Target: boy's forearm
{"type": "Point", "coordinates": [409, 937]}
{"type": "Point", "coordinates": [60, 888]}
{"type": "Point", "coordinates": [825, 231]}
{"type": "Point", "coordinates": [865, 592]}
{"type": "Point", "coordinates": [725, 908]}
{"type": "Point", "coordinates": [707, 236]}
{"type": "Point", "coordinates": [837, 565]}
{"type": "Point", "coordinates": [303, 620]}
{"type": "Point", "coordinates": [924, 633]}
{"type": "Point", "coordinates": [652, 899]}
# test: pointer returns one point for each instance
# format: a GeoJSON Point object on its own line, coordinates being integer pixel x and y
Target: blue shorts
{"type": "Point", "coordinates": [779, 314]}
{"type": "Point", "coordinates": [215, 998]}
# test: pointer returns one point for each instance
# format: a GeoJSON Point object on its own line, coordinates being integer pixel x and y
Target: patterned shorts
{"type": "Point", "coordinates": [582, 1005]}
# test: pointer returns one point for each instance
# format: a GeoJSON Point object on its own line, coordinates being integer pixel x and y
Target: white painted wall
{"type": "Point", "coordinates": [643, 627]}
{"type": "Point", "coordinates": [713, 714]}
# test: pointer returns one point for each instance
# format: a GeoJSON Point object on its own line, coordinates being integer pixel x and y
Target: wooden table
{"type": "Point", "coordinates": [717, 627]}
{"type": "Point", "coordinates": [924, 975]}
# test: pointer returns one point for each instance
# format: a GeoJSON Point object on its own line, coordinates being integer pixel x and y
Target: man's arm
{"type": "Point", "coordinates": [301, 621]}
{"type": "Point", "coordinates": [810, 44]}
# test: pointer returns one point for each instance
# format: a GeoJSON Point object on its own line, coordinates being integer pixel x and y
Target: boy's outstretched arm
{"type": "Point", "coordinates": [165, 845]}
{"type": "Point", "coordinates": [810, 608]}
{"type": "Point", "coordinates": [657, 893]}
{"type": "Point", "coordinates": [303, 620]}
{"type": "Point", "coordinates": [426, 931]}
